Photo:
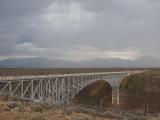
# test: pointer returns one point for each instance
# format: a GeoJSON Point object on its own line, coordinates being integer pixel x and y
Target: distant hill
{"type": "Point", "coordinates": [36, 62]}
{"type": "Point", "coordinates": [39, 62]}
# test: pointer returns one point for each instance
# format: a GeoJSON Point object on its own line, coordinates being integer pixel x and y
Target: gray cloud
{"type": "Point", "coordinates": [54, 28]}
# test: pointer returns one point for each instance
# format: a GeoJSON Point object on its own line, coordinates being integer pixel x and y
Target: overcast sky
{"type": "Point", "coordinates": [79, 29]}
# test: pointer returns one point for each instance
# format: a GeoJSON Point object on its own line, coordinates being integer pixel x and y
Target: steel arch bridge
{"type": "Point", "coordinates": [58, 89]}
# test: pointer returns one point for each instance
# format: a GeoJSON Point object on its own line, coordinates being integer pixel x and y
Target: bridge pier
{"type": "Point", "coordinates": [115, 95]}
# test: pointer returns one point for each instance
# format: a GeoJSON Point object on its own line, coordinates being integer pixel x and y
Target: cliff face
{"type": "Point", "coordinates": [95, 93]}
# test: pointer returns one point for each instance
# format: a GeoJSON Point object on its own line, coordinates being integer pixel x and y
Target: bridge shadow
{"type": "Point", "coordinates": [95, 94]}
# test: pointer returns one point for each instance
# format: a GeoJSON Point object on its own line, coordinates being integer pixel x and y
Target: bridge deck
{"type": "Point", "coordinates": [5, 78]}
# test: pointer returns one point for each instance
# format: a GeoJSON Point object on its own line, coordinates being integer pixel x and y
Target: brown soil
{"type": "Point", "coordinates": [7, 116]}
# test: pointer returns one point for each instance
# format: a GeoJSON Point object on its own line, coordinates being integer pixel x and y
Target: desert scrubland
{"type": "Point", "coordinates": [139, 99]}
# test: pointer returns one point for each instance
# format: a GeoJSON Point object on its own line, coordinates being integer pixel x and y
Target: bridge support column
{"type": "Point", "coordinates": [115, 95]}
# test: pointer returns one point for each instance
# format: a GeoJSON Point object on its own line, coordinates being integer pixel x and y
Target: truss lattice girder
{"type": "Point", "coordinates": [58, 89]}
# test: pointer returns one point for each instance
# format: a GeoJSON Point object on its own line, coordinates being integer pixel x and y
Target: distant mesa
{"type": "Point", "coordinates": [39, 62]}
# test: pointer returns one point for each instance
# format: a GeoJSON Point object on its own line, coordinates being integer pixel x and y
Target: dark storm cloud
{"type": "Point", "coordinates": [66, 28]}
{"type": "Point", "coordinates": [17, 8]}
